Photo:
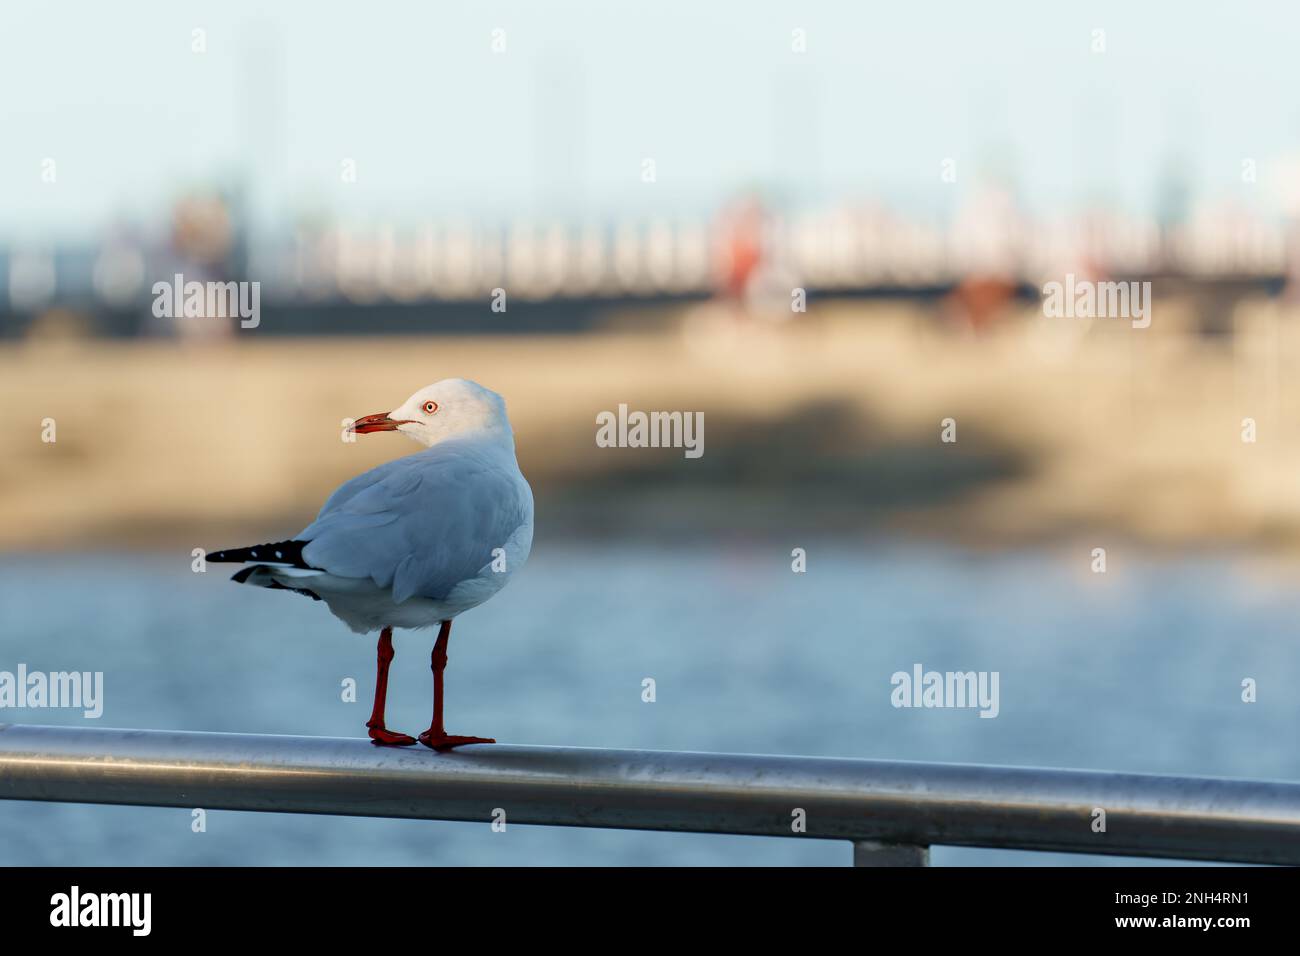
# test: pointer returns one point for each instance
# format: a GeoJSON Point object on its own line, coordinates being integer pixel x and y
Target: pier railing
{"type": "Point", "coordinates": [891, 812]}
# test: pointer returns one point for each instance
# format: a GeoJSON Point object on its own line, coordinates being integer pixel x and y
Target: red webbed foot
{"type": "Point", "coordinates": [447, 741]}
{"type": "Point", "coordinates": [383, 737]}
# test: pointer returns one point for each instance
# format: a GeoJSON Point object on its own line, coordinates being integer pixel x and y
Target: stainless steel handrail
{"type": "Point", "coordinates": [891, 810]}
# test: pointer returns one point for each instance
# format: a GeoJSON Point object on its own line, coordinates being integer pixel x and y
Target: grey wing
{"type": "Point", "coordinates": [423, 528]}
{"type": "Point", "coordinates": [354, 486]}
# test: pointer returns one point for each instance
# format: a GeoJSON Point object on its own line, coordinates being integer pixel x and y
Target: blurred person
{"type": "Point", "coordinates": [987, 237]}
{"type": "Point", "coordinates": [740, 253]}
{"type": "Point", "coordinates": [201, 248]}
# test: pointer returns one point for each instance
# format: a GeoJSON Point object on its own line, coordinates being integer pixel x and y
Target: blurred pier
{"type": "Point", "coordinates": [533, 277]}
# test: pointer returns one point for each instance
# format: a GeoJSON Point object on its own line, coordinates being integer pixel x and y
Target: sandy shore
{"type": "Point", "coordinates": [832, 423]}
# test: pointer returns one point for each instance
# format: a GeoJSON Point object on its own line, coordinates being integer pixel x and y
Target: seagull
{"type": "Point", "coordinates": [415, 542]}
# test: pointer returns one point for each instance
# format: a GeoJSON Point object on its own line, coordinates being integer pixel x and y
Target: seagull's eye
{"type": "Point", "coordinates": [430, 407]}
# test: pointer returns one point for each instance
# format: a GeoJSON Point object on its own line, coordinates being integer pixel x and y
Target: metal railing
{"type": "Point", "coordinates": [891, 811]}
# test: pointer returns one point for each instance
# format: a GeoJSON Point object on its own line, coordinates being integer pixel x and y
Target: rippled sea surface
{"type": "Point", "coordinates": [1139, 669]}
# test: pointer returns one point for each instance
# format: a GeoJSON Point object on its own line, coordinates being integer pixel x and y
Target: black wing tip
{"type": "Point", "coordinates": [274, 552]}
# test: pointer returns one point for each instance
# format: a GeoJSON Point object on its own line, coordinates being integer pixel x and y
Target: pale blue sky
{"type": "Point", "coordinates": [560, 123]}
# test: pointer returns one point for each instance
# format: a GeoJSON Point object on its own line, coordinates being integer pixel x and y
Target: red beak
{"type": "Point", "coordinates": [377, 423]}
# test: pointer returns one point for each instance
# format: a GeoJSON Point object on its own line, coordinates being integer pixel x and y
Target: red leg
{"type": "Point", "coordinates": [378, 733]}
{"type": "Point", "coordinates": [436, 736]}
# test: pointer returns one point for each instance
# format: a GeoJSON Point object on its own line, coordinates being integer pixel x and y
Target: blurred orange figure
{"type": "Point", "coordinates": [741, 250]}
{"type": "Point", "coordinates": [979, 300]}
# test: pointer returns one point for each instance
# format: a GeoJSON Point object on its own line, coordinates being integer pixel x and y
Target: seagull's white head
{"type": "Point", "coordinates": [452, 408]}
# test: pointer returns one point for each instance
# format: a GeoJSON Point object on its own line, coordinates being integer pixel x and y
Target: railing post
{"type": "Point", "coordinates": [875, 853]}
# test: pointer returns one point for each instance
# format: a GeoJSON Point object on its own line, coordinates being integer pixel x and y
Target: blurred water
{"type": "Point", "coordinates": [1138, 669]}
